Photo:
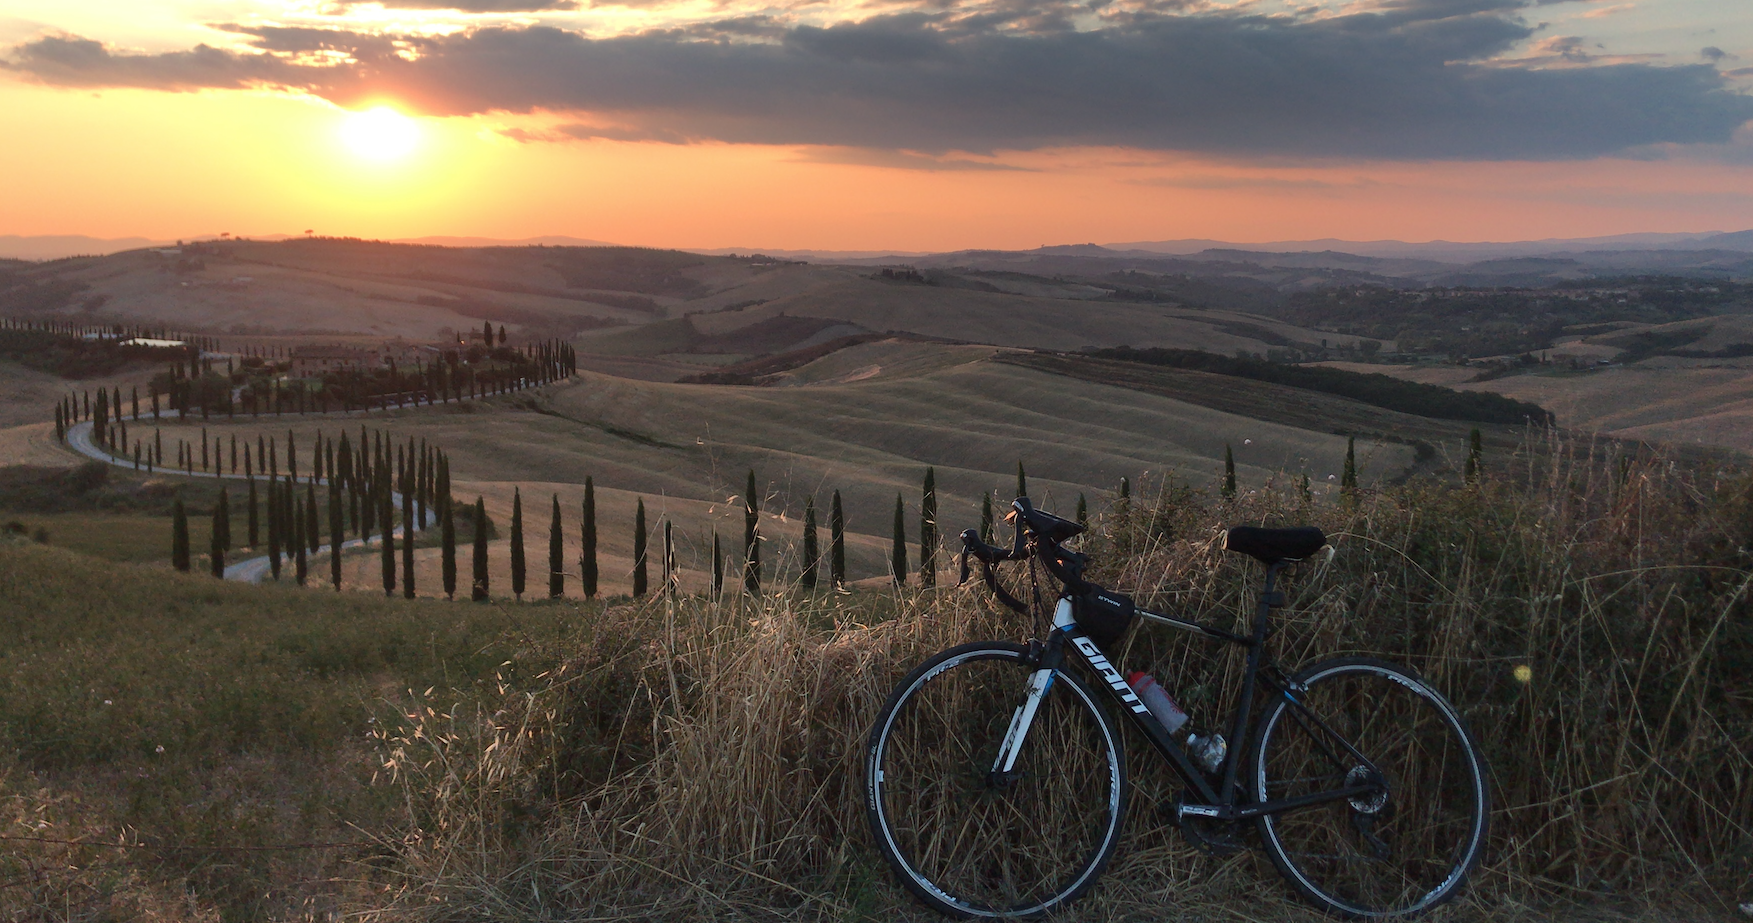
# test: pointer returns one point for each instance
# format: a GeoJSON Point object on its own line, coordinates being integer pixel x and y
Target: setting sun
{"type": "Point", "coordinates": [380, 133]}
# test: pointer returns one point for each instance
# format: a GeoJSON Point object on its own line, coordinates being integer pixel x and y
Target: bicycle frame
{"type": "Point", "coordinates": [1223, 802]}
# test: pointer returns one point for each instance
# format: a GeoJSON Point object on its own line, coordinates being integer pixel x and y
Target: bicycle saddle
{"type": "Point", "coordinates": [1270, 546]}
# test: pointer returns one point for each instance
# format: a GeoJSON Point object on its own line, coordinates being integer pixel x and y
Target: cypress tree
{"type": "Point", "coordinates": [387, 518]}
{"type": "Point", "coordinates": [751, 539]}
{"type": "Point", "coordinates": [717, 567]}
{"type": "Point", "coordinates": [60, 425]}
{"type": "Point", "coordinates": [1348, 476]}
{"type": "Point", "coordinates": [233, 453]}
{"type": "Point", "coordinates": [313, 536]}
{"type": "Point", "coordinates": [986, 517]}
{"type": "Point", "coordinates": [273, 505]}
{"type": "Point", "coordinates": [928, 530]}
{"type": "Point", "coordinates": [1083, 511]}
{"type": "Point", "coordinates": [898, 552]}
{"type": "Point", "coordinates": [556, 555]}
{"type": "Point", "coordinates": [448, 530]}
{"type": "Point", "coordinates": [639, 571]}
{"type": "Point", "coordinates": [179, 537]}
{"type": "Point", "coordinates": [812, 553]}
{"type": "Point", "coordinates": [300, 536]}
{"type": "Point", "coordinates": [222, 520]}
{"type": "Point", "coordinates": [216, 550]}
{"type": "Point", "coordinates": [478, 592]}
{"type": "Point", "coordinates": [291, 457]}
{"type": "Point", "coordinates": [836, 543]}
{"type": "Point", "coordinates": [337, 533]}
{"type": "Point", "coordinates": [1229, 473]}
{"type": "Point", "coordinates": [1022, 480]}
{"type": "Point", "coordinates": [587, 548]}
{"type": "Point", "coordinates": [407, 544]}
{"type": "Point", "coordinates": [1475, 455]}
{"type": "Point", "coordinates": [517, 562]}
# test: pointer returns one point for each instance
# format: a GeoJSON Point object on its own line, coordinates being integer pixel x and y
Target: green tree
{"type": "Point", "coordinates": [448, 533]}
{"type": "Point", "coordinates": [386, 519]}
{"type": "Point", "coordinates": [639, 566]}
{"type": "Point", "coordinates": [1475, 455]}
{"type": "Point", "coordinates": [179, 536]}
{"type": "Point", "coordinates": [313, 538]}
{"type": "Point", "coordinates": [1229, 473]}
{"type": "Point", "coordinates": [1348, 476]}
{"type": "Point", "coordinates": [301, 528]}
{"type": "Point", "coordinates": [812, 553]}
{"type": "Point", "coordinates": [274, 528]}
{"type": "Point", "coordinates": [222, 520]}
{"type": "Point", "coordinates": [1022, 480]}
{"type": "Point", "coordinates": [986, 517]}
{"type": "Point", "coordinates": [1083, 511]}
{"type": "Point", "coordinates": [928, 530]}
{"type": "Point", "coordinates": [898, 549]}
{"type": "Point", "coordinates": [254, 523]}
{"type": "Point", "coordinates": [556, 555]}
{"type": "Point", "coordinates": [587, 549]}
{"type": "Point", "coordinates": [517, 560]}
{"type": "Point", "coordinates": [836, 543]}
{"type": "Point", "coordinates": [478, 592]}
{"type": "Point", "coordinates": [337, 532]}
{"type": "Point", "coordinates": [216, 551]}
{"type": "Point", "coordinates": [751, 539]}
{"type": "Point", "coordinates": [407, 541]}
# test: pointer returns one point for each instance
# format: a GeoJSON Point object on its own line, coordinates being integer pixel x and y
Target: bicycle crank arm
{"type": "Point", "coordinates": [1020, 720]}
{"type": "Point", "coordinates": [1283, 806]}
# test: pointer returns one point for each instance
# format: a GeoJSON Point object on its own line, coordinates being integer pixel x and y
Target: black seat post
{"type": "Point", "coordinates": [1269, 599]}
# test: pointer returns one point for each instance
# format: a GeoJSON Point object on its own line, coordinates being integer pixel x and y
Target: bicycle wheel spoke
{"type": "Point", "coordinates": [1390, 852]}
{"type": "Point", "coordinates": [1027, 841]}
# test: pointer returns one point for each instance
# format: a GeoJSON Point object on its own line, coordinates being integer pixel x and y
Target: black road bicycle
{"type": "Point", "coordinates": [995, 777]}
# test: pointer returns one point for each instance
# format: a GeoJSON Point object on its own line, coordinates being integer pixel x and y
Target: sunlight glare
{"type": "Point", "coordinates": [380, 133]}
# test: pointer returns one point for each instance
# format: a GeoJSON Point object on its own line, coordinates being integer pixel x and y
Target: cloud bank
{"type": "Point", "coordinates": [1405, 79]}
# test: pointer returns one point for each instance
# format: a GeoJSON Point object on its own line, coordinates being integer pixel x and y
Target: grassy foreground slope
{"type": "Point", "coordinates": [142, 706]}
{"type": "Point", "coordinates": [690, 761]}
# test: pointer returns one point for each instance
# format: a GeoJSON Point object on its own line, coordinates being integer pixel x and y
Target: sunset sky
{"type": "Point", "coordinates": [903, 124]}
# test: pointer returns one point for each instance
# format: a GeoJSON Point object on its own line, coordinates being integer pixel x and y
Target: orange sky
{"type": "Point", "coordinates": [112, 162]}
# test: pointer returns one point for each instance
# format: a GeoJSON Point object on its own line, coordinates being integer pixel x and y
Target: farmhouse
{"type": "Point", "coordinates": [315, 361]}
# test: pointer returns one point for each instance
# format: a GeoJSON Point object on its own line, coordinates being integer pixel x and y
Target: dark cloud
{"type": "Point", "coordinates": [79, 62]}
{"type": "Point", "coordinates": [1405, 79]}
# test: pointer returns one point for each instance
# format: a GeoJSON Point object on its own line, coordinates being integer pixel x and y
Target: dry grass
{"type": "Point", "coordinates": [691, 759]}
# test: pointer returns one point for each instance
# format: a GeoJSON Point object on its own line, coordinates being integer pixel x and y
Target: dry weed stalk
{"type": "Point", "coordinates": [1590, 617]}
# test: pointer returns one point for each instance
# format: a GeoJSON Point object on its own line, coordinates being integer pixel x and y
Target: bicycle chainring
{"type": "Point", "coordinates": [1209, 836]}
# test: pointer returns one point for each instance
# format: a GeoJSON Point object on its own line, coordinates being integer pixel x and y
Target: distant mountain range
{"type": "Point", "coordinates": [1709, 251]}
{"type": "Point", "coordinates": [54, 247]}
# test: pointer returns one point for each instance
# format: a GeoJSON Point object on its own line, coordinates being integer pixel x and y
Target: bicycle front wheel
{"type": "Point", "coordinates": [969, 843]}
{"type": "Point", "coordinates": [1404, 849]}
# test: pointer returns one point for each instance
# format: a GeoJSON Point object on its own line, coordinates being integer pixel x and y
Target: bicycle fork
{"type": "Point", "coordinates": [1020, 721]}
{"type": "Point", "coordinates": [1003, 767]}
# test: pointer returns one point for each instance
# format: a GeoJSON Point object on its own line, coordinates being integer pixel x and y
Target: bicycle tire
{"type": "Point", "coordinates": [968, 847]}
{"type": "Point", "coordinates": [1429, 828]}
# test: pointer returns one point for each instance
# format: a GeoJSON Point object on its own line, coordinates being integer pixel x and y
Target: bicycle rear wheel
{"type": "Point", "coordinates": [1401, 851]}
{"type": "Point", "coordinates": [971, 845]}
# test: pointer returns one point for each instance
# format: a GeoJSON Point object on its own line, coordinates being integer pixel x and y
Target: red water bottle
{"type": "Point", "coordinates": [1154, 698]}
